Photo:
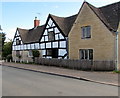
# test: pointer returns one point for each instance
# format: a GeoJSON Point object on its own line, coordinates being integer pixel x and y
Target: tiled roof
{"type": "Point", "coordinates": [109, 15]}
{"type": "Point", "coordinates": [31, 35]}
{"type": "Point", "coordinates": [64, 23]}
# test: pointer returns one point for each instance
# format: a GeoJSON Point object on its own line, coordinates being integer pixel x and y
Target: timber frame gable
{"type": "Point", "coordinates": [53, 41]}
{"type": "Point", "coordinates": [17, 40]}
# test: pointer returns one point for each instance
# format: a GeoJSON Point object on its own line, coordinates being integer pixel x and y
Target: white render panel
{"type": "Point", "coordinates": [25, 46]}
{"type": "Point", "coordinates": [22, 47]}
{"type": "Point", "coordinates": [56, 37]}
{"type": "Point", "coordinates": [32, 46]}
{"type": "Point", "coordinates": [13, 47]}
{"type": "Point", "coordinates": [50, 30]}
{"type": "Point", "coordinates": [48, 45]}
{"type": "Point", "coordinates": [43, 52]}
{"type": "Point", "coordinates": [47, 26]}
{"type": "Point", "coordinates": [42, 39]}
{"type": "Point", "coordinates": [36, 45]}
{"type": "Point", "coordinates": [61, 36]}
{"type": "Point", "coordinates": [53, 25]}
{"type": "Point", "coordinates": [55, 44]}
{"type": "Point", "coordinates": [28, 46]}
{"type": "Point", "coordinates": [50, 22]}
{"type": "Point", "coordinates": [62, 52]}
{"type": "Point", "coordinates": [56, 30]}
{"type": "Point", "coordinates": [18, 47]}
{"type": "Point", "coordinates": [42, 46]}
{"type": "Point", "coordinates": [46, 38]}
{"type": "Point", "coordinates": [17, 33]}
{"type": "Point", "coordinates": [62, 44]}
{"type": "Point", "coordinates": [45, 33]}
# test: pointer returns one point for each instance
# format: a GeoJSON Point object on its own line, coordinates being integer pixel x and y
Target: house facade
{"type": "Point", "coordinates": [93, 35]}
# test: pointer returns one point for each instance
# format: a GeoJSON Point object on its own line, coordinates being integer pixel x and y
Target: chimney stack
{"type": "Point", "coordinates": [36, 22]}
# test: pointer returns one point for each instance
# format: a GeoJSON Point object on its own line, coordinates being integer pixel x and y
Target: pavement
{"type": "Point", "coordinates": [108, 78]}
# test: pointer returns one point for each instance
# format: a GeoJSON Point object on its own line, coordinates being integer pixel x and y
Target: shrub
{"type": "Point", "coordinates": [35, 54]}
{"type": "Point", "coordinates": [9, 57]}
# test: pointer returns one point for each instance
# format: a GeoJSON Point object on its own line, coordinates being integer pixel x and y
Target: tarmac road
{"type": "Point", "coordinates": [18, 82]}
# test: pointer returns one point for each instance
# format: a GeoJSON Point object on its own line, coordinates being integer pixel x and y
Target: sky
{"type": "Point", "coordinates": [17, 13]}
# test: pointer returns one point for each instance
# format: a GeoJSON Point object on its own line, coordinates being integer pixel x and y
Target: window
{"type": "Point", "coordinates": [86, 32]}
{"type": "Point", "coordinates": [49, 52]}
{"type": "Point", "coordinates": [18, 42]}
{"type": "Point", "coordinates": [86, 54]}
{"type": "Point", "coordinates": [51, 36]}
{"type": "Point", "coordinates": [30, 54]}
{"type": "Point", "coordinates": [17, 53]}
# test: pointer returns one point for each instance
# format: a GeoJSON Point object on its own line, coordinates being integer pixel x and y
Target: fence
{"type": "Point", "coordinates": [77, 64]}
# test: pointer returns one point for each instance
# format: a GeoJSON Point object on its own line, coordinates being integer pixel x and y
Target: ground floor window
{"type": "Point", "coordinates": [30, 54]}
{"type": "Point", "coordinates": [53, 52]}
{"type": "Point", "coordinates": [17, 53]}
{"type": "Point", "coordinates": [86, 54]}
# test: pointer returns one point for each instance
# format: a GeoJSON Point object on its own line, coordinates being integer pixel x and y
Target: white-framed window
{"type": "Point", "coordinates": [86, 32]}
{"type": "Point", "coordinates": [86, 54]}
{"type": "Point", "coordinates": [30, 54]}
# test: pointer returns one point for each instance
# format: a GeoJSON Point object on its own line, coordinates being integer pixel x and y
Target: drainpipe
{"type": "Point", "coordinates": [116, 51]}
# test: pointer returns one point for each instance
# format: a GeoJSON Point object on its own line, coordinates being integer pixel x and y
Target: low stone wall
{"type": "Point", "coordinates": [77, 64]}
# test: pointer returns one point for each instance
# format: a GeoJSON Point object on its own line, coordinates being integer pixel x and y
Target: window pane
{"type": "Point", "coordinates": [90, 54]}
{"type": "Point", "coordinates": [86, 54]}
{"type": "Point", "coordinates": [81, 54]}
{"type": "Point", "coordinates": [86, 32]}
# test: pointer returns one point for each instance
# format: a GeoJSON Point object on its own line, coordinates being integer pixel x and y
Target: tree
{"type": "Point", "coordinates": [2, 40]}
{"type": "Point", "coordinates": [7, 49]}
{"type": "Point", "coordinates": [35, 54]}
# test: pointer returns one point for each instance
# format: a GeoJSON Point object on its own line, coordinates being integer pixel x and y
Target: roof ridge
{"type": "Point", "coordinates": [110, 4]}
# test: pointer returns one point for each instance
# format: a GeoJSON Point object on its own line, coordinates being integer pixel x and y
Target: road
{"type": "Point", "coordinates": [18, 82]}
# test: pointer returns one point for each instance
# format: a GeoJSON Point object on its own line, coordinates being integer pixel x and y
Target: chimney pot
{"type": "Point", "coordinates": [36, 22]}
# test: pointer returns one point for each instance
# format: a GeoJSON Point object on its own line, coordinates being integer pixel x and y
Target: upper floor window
{"type": "Point", "coordinates": [86, 32]}
{"type": "Point", "coordinates": [18, 42]}
{"type": "Point", "coordinates": [51, 36]}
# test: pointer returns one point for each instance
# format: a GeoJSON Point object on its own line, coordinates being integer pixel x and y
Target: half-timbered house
{"type": "Point", "coordinates": [54, 41]}
{"type": "Point", "coordinates": [50, 39]}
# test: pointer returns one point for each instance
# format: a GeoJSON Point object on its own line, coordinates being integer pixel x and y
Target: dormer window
{"type": "Point", "coordinates": [51, 36]}
{"type": "Point", "coordinates": [86, 32]}
{"type": "Point", "coordinates": [17, 42]}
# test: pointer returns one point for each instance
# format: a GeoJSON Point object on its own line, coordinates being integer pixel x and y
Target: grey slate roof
{"type": "Point", "coordinates": [31, 35]}
{"type": "Point", "coordinates": [109, 15]}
